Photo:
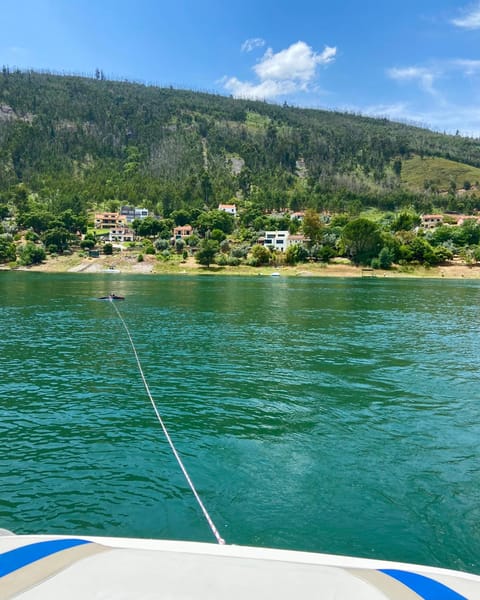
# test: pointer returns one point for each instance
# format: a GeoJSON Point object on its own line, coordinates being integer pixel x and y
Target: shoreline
{"type": "Point", "coordinates": [128, 265]}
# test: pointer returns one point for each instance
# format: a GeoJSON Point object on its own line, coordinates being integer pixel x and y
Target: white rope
{"type": "Point", "coordinates": [209, 520]}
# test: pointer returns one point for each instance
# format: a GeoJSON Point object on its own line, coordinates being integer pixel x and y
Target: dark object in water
{"type": "Point", "coordinates": [112, 296]}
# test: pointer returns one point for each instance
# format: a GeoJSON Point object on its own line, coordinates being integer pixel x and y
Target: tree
{"type": "Point", "coordinates": [73, 222]}
{"type": "Point", "coordinates": [296, 253]}
{"type": "Point", "coordinates": [405, 221]}
{"type": "Point", "coordinates": [162, 244]}
{"type": "Point", "coordinates": [422, 251]}
{"type": "Point", "coordinates": [31, 254]}
{"type": "Point", "coordinates": [206, 254]}
{"type": "Point", "coordinates": [192, 240]}
{"type": "Point", "coordinates": [8, 251]}
{"type": "Point", "coordinates": [312, 226]}
{"type": "Point", "coordinates": [215, 219]}
{"type": "Point", "coordinates": [56, 240]}
{"type": "Point", "coordinates": [207, 188]}
{"type": "Point", "coordinates": [148, 227]}
{"type": "Point", "coordinates": [322, 252]}
{"type": "Point", "coordinates": [217, 235]}
{"type": "Point", "coordinates": [362, 240]}
{"type": "Point", "coordinates": [260, 255]}
{"type": "Point", "coordinates": [108, 249]}
{"type": "Point", "coordinates": [20, 197]}
{"type": "Point", "coordinates": [87, 244]}
{"type": "Point", "coordinates": [467, 234]}
{"type": "Point", "coordinates": [385, 258]}
{"type": "Point", "coordinates": [181, 217]}
{"type": "Point", "coordinates": [132, 163]}
{"type": "Point", "coordinates": [397, 167]}
{"type": "Point", "coordinates": [443, 254]}
{"type": "Point", "coordinates": [39, 220]}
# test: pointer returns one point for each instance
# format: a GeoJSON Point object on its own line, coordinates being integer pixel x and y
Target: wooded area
{"type": "Point", "coordinates": [79, 142]}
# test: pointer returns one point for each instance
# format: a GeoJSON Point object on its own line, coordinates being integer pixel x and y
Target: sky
{"type": "Point", "coordinates": [415, 61]}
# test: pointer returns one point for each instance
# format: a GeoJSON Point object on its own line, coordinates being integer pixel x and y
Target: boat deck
{"type": "Point", "coordinates": [51, 567]}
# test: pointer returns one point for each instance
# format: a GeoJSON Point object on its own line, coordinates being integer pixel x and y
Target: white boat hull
{"type": "Point", "coordinates": [51, 567]}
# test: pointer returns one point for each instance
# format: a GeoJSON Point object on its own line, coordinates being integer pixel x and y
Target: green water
{"type": "Point", "coordinates": [331, 415]}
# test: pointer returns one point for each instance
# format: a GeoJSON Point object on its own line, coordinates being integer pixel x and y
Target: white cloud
{"type": "Point", "coordinates": [252, 43]}
{"type": "Point", "coordinates": [424, 76]}
{"type": "Point", "coordinates": [467, 66]}
{"type": "Point", "coordinates": [471, 18]}
{"type": "Point", "coordinates": [290, 70]}
{"type": "Point", "coordinates": [450, 83]}
{"type": "Point", "coordinates": [297, 62]}
{"type": "Point", "coordinates": [265, 89]}
{"type": "Point", "coordinates": [402, 112]}
{"type": "Point", "coordinates": [450, 118]}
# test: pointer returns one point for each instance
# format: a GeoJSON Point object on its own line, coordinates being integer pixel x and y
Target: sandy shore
{"type": "Point", "coordinates": [151, 265]}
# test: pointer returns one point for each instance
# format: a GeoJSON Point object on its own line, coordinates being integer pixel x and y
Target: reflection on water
{"type": "Point", "coordinates": [338, 416]}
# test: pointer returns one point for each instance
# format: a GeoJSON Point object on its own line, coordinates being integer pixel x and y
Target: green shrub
{"type": "Point", "coordinates": [31, 236]}
{"type": "Point", "coordinates": [87, 243]}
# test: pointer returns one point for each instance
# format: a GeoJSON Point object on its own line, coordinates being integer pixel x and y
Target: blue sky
{"type": "Point", "coordinates": [414, 60]}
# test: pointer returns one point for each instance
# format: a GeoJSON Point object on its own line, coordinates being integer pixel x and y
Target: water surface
{"type": "Point", "coordinates": [331, 415]}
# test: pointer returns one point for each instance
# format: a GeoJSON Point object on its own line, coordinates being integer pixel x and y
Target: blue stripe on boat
{"type": "Point", "coordinates": [21, 557]}
{"type": "Point", "coordinates": [426, 588]}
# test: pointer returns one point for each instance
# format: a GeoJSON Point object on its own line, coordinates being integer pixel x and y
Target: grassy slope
{"type": "Point", "coordinates": [439, 171]}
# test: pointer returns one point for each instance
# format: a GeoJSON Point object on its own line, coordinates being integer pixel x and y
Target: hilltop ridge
{"type": "Point", "coordinates": [80, 142]}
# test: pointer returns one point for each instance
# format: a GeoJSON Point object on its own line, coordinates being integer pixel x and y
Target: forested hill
{"type": "Point", "coordinates": [78, 141]}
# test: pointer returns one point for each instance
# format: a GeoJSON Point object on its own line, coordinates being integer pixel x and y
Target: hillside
{"type": "Point", "coordinates": [439, 174]}
{"type": "Point", "coordinates": [78, 142]}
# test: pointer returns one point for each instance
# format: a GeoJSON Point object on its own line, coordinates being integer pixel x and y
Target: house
{"type": "Point", "coordinates": [132, 213]}
{"type": "Point", "coordinates": [463, 219]}
{"type": "Point", "coordinates": [298, 215]}
{"type": "Point", "coordinates": [278, 240]}
{"type": "Point", "coordinates": [109, 220]}
{"type": "Point", "coordinates": [281, 240]}
{"type": "Point", "coordinates": [182, 231]}
{"type": "Point", "coordinates": [431, 221]}
{"type": "Point", "coordinates": [231, 209]}
{"type": "Point", "coordinates": [296, 239]}
{"type": "Point", "coordinates": [121, 234]}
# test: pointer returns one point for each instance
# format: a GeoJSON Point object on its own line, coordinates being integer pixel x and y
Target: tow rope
{"type": "Point", "coordinates": [209, 520]}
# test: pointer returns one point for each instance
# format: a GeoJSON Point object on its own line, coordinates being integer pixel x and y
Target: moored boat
{"type": "Point", "coordinates": [112, 296]}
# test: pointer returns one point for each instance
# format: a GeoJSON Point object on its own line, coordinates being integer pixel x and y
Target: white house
{"type": "Point", "coordinates": [131, 213]}
{"type": "Point", "coordinates": [281, 240]}
{"type": "Point", "coordinates": [278, 240]}
{"type": "Point", "coordinates": [431, 221]}
{"type": "Point", "coordinates": [120, 234]}
{"type": "Point", "coordinates": [231, 209]}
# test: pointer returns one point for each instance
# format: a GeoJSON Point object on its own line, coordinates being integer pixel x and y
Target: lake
{"type": "Point", "coordinates": [329, 415]}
